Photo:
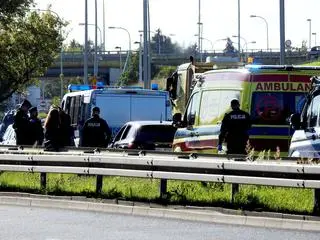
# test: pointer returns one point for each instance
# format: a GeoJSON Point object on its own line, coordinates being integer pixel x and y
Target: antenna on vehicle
{"type": "Point", "coordinates": [161, 118]}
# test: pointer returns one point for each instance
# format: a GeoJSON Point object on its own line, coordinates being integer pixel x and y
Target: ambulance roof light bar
{"type": "Point", "coordinates": [282, 67]}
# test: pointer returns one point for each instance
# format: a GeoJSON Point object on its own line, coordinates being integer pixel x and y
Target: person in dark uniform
{"type": "Point", "coordinates": [36, 134]}
{"type": "Point", "coordinates": [21, 123]}
{"type": "Point", "coordinates": [234, 129]}
{"type": "Point", "coordinates": [95, 132]}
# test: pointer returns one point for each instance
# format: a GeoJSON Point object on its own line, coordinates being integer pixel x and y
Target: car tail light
{"type": "Point", "coordinates": [131, 146]}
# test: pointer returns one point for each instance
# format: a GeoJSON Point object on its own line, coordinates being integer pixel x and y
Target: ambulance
{"type": "Point", "coordinates": [269, 93]}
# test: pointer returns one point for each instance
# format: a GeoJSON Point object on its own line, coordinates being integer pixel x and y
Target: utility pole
{"type": "Point", "coordinates": [140, 59]}
{"type": "Point", "coordinates": [199, 31]}
{"type": "Point", "coordinates": [85, 61]}
{"type": "Point", "coordinates": [239, 36]}
{"type": "Point", "coordinates": [282, 33]}
{"type": "Point", "coordinates": [95, 68]}
{"type": "Point", "coordinates": [145, 45]}
{"type": "Point", "coordinates": [104, 28]}
{"type": "Point", "coordinates": [149, 50]}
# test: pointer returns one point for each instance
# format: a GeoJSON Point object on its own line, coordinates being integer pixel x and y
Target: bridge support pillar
{"type": "Point", "coordinates": [234, 191]}
{"type": "Point", "coordinates": [43, 180]}
{"type": "Point", "coordinates": [316, 202]}
{"type": "Point", "coordinates": [99, 183]}
{"type": "Point", "coordinates": [163, 189]}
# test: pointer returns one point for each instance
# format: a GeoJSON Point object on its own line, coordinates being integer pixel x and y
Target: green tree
{"type": "Point", "coordinates": [191, 50]}
{"type": "Point", "coordinates": [29, 44]}
{"type": "Point", "coordinates": [74, 46]}
{"type": "Point", "coordinates": [52, 87]}
{"type": "Point", "coordinates": [131, 75]}
{"type": "Point", "coordinates": [163, 44]}
{"type": "Point", "coordinates": [10, 9]}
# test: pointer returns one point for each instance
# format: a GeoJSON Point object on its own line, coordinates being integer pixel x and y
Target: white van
{"type": "Point", "coordinates": [118, 105]}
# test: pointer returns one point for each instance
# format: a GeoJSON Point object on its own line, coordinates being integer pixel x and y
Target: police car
{"type": "Point", "coordinates": [305, 141]}
{"type": "Point", "coordinates": [9, 136]}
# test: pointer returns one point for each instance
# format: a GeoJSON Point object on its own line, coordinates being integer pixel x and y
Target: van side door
{"type": "Point", "coordinates": [187, 138]}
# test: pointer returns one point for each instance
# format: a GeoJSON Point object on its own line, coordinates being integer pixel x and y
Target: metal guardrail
{"type": "Point", "coordinates": [165, 166]}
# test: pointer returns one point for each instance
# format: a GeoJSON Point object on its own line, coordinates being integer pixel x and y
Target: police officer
{"type": "Point", "coordinates": [21, 123]}
{"type": "Point", "coordinates": [95, 132]}
{"type": "Point", "coordinates": [234, 129]}
{"type": "Point", "coordinates": [36, 135]}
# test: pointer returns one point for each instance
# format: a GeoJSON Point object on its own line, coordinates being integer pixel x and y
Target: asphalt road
{"type": "Point", "coordinates": [56, 224]}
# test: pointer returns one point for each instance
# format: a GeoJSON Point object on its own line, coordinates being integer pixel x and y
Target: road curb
{"type": "Point", "coordinates": [182, 214]}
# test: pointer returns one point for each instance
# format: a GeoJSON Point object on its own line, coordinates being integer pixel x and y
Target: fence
{"type": "Point", "coordinates": [165, 166]}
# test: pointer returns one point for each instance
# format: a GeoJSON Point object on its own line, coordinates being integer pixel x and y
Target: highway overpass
{"type": "Point", "coordinates": [109, 62]}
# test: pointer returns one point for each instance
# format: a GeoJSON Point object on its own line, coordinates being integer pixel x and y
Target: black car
{"type": "Point", "coordinates": [314, 53]}
{"type": "Point", "coordinates": [147, 135]}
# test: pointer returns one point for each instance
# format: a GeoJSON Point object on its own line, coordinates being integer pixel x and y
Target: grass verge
{"type": "Point", "coordinates": [286, 200]}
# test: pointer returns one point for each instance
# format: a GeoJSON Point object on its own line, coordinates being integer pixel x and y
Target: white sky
{"type": "Point", "coordinates": [180, 17]}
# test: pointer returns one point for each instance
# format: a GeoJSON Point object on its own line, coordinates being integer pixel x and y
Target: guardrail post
{"type": "Point", "coordinates": [99, 184]}
{"type": "Point", "coordinates": [316, 201]}
{"type": "Point", "coordinates": [234, 191]}
{"type": "Point", "coordinates": [43, 180]}
{"type": "Point", "coordinates": [163, 189]}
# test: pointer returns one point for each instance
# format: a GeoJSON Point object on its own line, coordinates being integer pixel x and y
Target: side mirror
{"type": "Point", "coordinates": [191, 119]}
{"type": "Point", "coordinates": [177, 120]}
{"type": "Point", "coordinates": [295, 122]}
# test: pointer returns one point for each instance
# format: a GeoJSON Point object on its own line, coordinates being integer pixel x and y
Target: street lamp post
{"type": "Point", "coordinates": [245, 44]}
{"type": "Point", "coordinates": [315, 38]}
{"type": "Point", "coordinates": [218, 40]}
{"type": "Point", "coordinates": [104, 27]}
{"type": "Point", "coordinates": [255, 16]}
{"type": "Point", "coordinates": [120, 59]}
{"type": "Point", "coordinates": [95, 68]}
{"type": "Point", "coordinates": [245, 41]}
{"type": "Point", "coordinates": [85, 61]}
{"type": "Point", "coordinates": [309, 20]}
{"type": "Point", "coordinates": [129, 52]}
{"type": "Point", "coordinates": [239, 34]}
{"type": "Point", "coordinates": [159, 43]}
{"type": "Point", "coordinates": [203, 38]}
{"type": "Point", "coordinates": [140, 58]}
{"type": "Point", "coordinates": [246, 47]}
{"type": "Point", "coordinates": [100, 32]}
{"type": "Point", "coordinates": [200, 26]}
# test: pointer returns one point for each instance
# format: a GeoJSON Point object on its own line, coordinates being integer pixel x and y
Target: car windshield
{"type": "Point", "coordinates": [156, 133]}
{"type": "Point", "coordinates": [275, 108]}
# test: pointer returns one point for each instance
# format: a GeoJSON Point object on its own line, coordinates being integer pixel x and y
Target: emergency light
{"type": "Point", "coordinates": [74, 87]}
{"type": "Point", "coordinates": [99, 85]}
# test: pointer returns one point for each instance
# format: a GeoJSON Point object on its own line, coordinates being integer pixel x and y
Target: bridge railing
{"type": "Point", "coordinates": [78, 56]}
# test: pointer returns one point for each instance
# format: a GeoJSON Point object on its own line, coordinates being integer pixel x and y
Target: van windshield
{"type": "Point", "coordinates": [275, 108]}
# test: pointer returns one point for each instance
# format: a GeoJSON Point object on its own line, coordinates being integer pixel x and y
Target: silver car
{"type": "Point", "coordinates": [9, 136]}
